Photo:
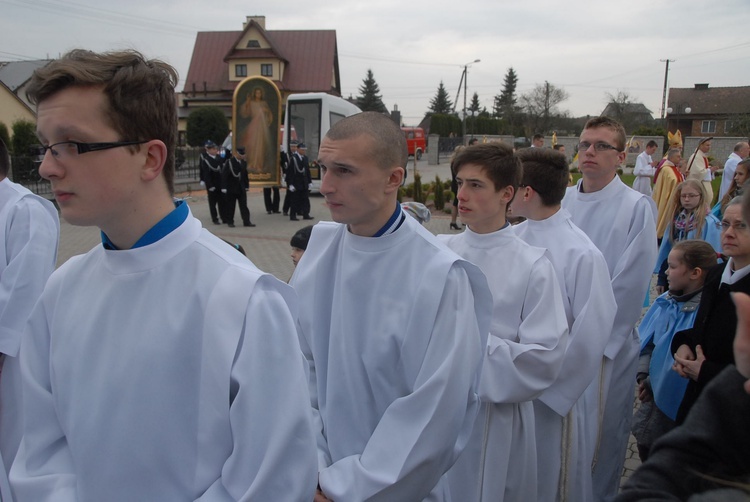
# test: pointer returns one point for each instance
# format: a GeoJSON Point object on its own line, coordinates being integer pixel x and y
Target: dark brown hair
{"type": "Point", "coordinates": [4, 159]}
{"type": "Point", "coordinates": [546, 172]}
{"type": "Point", "coordinates": [140, 94]}
{"type": "Point", "coordinates": [696, 253]}
{"type": "Point", "coordinates": [497, 160]}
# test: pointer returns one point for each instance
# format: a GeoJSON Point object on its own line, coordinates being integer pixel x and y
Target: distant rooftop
{"type": "Point", "coordinates": [16, 73]}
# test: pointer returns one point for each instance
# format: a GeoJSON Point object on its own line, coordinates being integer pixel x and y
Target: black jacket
{"type": "Point", "coordinates": [234, 176]}
{"type": "Point", "coordinates": [298, 172]}
{"type": "Point", "coordinates": [210, 170]}
{"type": "Point", "coordinates": [714, 328]}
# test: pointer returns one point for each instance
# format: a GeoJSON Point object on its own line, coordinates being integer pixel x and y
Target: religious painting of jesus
{"type": "Point", "coordinates": [256, 116]}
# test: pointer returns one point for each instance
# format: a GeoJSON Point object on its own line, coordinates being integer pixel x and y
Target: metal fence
{"type": "Point", "coordinates": [25, 170]}
{"type": "Point", "coordinates": [187, 163]}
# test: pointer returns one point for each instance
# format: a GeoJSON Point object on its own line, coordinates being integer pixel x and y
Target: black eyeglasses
{"type": "Point", "coordinates": [67, 149]}
{"type": "Point", "coordinates": [599, 146]}
{"type": "Point", "coordinates": [530, 186]}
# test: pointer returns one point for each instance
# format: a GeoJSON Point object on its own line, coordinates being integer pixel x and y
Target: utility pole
{"type": "Point", "coordinates": [664, 96]}
{"type": "Point", "coordinates": [464, 78]}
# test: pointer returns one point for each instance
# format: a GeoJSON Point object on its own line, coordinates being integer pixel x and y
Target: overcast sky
{"type": "Point", "coordinates": [589, 48]}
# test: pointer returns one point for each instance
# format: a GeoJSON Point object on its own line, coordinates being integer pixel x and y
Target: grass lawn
{"type": "Point", "coordinates": [629, 178]}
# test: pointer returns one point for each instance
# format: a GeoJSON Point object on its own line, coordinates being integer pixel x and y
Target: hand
{"type": "Point", "coordinates": [203, 184]}
{"type": "Point", "coordinates": [742, 338]}
{"type": "Point", "coordinates": [292, 189]}
{"type": "Point", "coordinates": [660, 289]}
{"type": "Point", "coordinates": [223, 190]}
{"type": "Point", "coordinates": [319, 497]}
{"type": "Point", "coordinates": [309, 187]}
{"type": "Point", "coordinates": [683, 352]}
{"type": "Point", "coordinates": [690, 367]}
{"type": "Point", "coordinates": [212, 189]}
{"type": "Point", "coordinates": [645, 394]}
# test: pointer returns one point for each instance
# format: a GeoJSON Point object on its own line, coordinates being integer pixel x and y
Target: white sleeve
{"type": "Point", "coordinates": [274, 448]}
{"type": "Point", "coordinates": [31, 251]}
{"type": "Point", "coordinates": [324, 456]}
{"type": "Point", "coordinates": [593, 308]}
{"type": "Point", "coordinates": [631, 274]}
{"type": "Point", "coordinates": [43, 468]}
{"type": "Point", "coordinates": [419, 436]}
{"type": "Point", "coordinates": [642, 167]}
{"type": "Point", "coordinates": [519, 370]}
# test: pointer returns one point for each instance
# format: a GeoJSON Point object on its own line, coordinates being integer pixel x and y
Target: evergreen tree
{"type": "Point", "coordinates": [207, 122]}
{"type": "Point", "coordinates": [474, 106]}
{"type": "Point", "coordinates": [441, 103]}
{"type": "Point", "coordinates": [505, 102]}
{"type": "Point", "coordinates": [369, 99]}
{"type": "Point", "coordinates": [24, 137]}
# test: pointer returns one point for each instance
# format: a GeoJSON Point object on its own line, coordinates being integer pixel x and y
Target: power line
{"type": "Point", "coordinates": [88, 13]}
{"type": "Point", "coordinates": [391, 60]}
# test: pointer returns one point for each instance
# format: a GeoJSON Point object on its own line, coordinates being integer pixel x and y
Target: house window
{"type": "Point", "coordinates": [708, 126]}
{"type": "Point", "coordinates": [240, 70]}
{"type": "Point", "coordinates": [728, 126]}
{"type": "Point", "coordinates": [253, 44]}
{"type": "Point", "coordinates": [266, 70]}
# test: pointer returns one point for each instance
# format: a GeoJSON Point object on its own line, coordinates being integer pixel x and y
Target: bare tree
{"type": "Point", "coordinates": [540, 106]}
{"type": "Point", "coordinates": [621, 107]}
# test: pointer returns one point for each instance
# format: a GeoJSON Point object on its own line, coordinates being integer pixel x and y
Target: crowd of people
{"type": "Point", "coordinates": [498, 363]}
{"type": "Point", "coordinates": [226, 182]}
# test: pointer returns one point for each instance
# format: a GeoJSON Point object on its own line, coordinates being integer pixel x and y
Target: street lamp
{"type": "Point", "coordinates": [464, 76]}
{"type": "Point", "coordinates": [677, 114]}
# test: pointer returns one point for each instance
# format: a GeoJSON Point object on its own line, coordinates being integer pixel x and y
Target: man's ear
{"type": "Point", "coordinates": [395, 178]}
{"type": "Point", "coordinates": [155, 155]}
{"type": "Point", "coordinates": [507, 194]}
{"type": "Point", "coordinates": [621, 157]}
{"type": "Point", "coordinates": [525, 193]}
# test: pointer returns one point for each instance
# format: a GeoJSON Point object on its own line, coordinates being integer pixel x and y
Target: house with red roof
{"type": "Point", "coordinates": [296, 60]}
{"type": "Point", "coordinates": [707, 111]}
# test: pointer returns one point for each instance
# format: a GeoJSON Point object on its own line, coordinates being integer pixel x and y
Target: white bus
{"type": "Point", "coordinates": [307, 119]}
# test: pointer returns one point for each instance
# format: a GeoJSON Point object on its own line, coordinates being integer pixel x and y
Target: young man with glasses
{"type": "Point", "coordinates": [161, 365]}
{"type": "Point", "coordinates": [621, 223]}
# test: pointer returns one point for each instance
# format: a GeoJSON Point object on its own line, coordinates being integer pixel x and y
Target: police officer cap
{"type": "Point", "coordinates": [209, 144]}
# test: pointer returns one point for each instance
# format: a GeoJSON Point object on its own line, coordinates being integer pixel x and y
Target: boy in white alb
{"type": "Point", "coordinates": [29, 231]}
{"type": "Point", "coordinates": [644, 169]}
{"type": "Point", "coordinates": [161, 365]}
{"type": "Point", "coordinates": [394, 326]}
{"type": "Point", "coordinates": [528, 335]}
{"type": "Point", "coordinates": [566, 420]}
{"type": "Point", "coordinates": [620, 221]}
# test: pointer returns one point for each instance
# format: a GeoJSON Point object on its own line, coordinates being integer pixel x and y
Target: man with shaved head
{"type": "Point", "coordinates": [394, 331]}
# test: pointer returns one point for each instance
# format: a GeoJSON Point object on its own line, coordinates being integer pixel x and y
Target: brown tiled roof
{"type": "Point", "coordinates": [207, 64]}
{"type": "Point", "coordinates": [311, 57]}
{"type": "Point", "coordinates": [711, 101]}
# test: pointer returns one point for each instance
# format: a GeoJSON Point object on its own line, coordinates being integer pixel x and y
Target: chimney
{"type": "Point", "coordinates": [701, 87]}
{"type": "Point", "coordinates": [260, 20]}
